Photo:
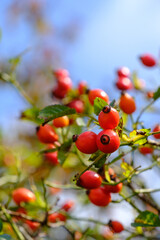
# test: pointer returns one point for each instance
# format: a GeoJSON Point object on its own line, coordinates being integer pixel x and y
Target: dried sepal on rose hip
{"type": "Point", "coordinates": [108, 141]}
{"type": "Point", "coordinates": [108, 118]}
{"type": "Point", "coordinates": [89, 180]}
{"type": "Point", "coordinates": [92, 94]}
{"type": "Point", "coordinates": [86, 142]}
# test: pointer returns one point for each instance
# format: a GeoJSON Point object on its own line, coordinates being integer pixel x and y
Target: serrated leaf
{"type": "Point", "coordinates": [54, 111]}
{"type": "Point", "coordinates": [146, 219]}
{"type": "Point", "coordinates": [31, 114]}
{"type": "Point", "coordinates": [99, 104]}
{"type": "Point", "coordinates": [156, 94]}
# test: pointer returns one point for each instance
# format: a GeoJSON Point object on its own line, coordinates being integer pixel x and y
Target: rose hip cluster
{"type": "Point", "coordinates": [107, 140]}
{"type": "Point", "coordinates": [98, 190]}
{"type": "Point", "coordinates": [23, 195]}
{"type": "Point", "coordinates": [124, 83]}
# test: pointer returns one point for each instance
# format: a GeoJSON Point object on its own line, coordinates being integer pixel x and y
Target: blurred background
{"type": "Point", "coordinates": [91, 39]}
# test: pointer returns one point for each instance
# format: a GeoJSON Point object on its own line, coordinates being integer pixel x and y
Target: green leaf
{"type": "Point", "coordinates": [112, 103]}
{"type": "Point", "coordinates": [101, 161]}
{"type": "Point", "coordinates": [31, 114]}
{"type": "Point", "coordinates": [99, 104]}
{"type": "Point", "coordinates": [137, 136]}
{"type": "Point", "coordinates": [54, 111]}
{"type": "Point", "coordinates": [146, 219]}
{"type": "Point", "coordinates": [15, 61]}
{"type": "Point", "coordinates": [94, 155]}
{"type": "Point", "coordinates": [64, 151]}
{"type": "Point", "coordinates": [128, 170]}
{"type": "Point", "coordinates": [5, 237]}
{"type": "Point", "coordinates": [1, 225]}
{"type": "Point", "coordinates": [156, 94]}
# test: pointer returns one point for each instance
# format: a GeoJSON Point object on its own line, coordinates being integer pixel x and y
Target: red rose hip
{"type": "Point", "coordinates": [114, 188]}
{"type": "Point", "coordinates": [23, 195]}
{"type": "Point", "coordinates": [124, 83]}
{"type": "Point", "coordinates": [148, 60]}
{"type": "Point", "coordinates": [97, 93]}
{"type": "Point", "coordinates": [82, 86]}
{"type": "Point", "coordinates": [86, 142]}
{"type": "Point", "coordinates": [77, 104]}
{"type": "Point", "coordinates": [108, 118]}
{"type": "Point", "coordinates": [61, 122]}
{"type": "Point", "coordinates": [68, 206]}
{"type": "Point", "coordinates": [46, 134]}
{"type": "Point", "coordinates": [90, 180]}
{"type": "Point", "coordinates": [52, 157]}
{"type": "Point", "coordinates": [123, 72]}
{"type": "Point", "coordinates": [61, 73]}
{"type": "Point", "coordinates": [127, 104]}
{"type": "Point", "coordinates": [99, 197]}
{"type": "Point", "coordinates": [157, 129]}
{"type": "Point", "coordinates": [56, 217]}
{"type": "Point", "coordinates": [116, 226]}
{"type": "Point", "coordinates": [146, 150]}
{"type": "Point", "coordinates": [108, 141]}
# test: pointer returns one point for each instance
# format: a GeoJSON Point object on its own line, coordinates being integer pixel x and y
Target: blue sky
{"type": "Point", "coordinates": [111, 33]}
